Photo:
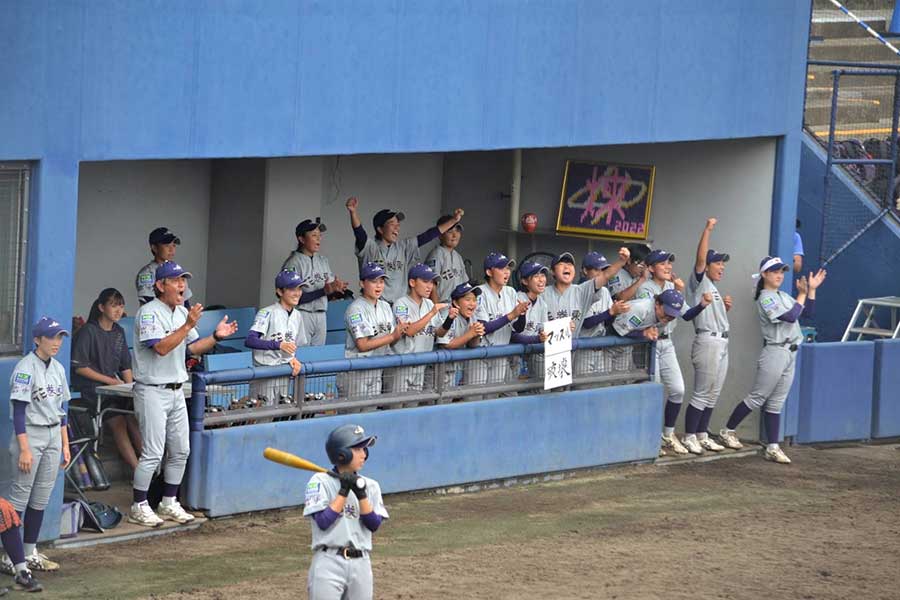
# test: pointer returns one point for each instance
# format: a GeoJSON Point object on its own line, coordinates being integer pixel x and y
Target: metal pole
{"type": "Point", "coordinates": [515, 195]}
{"type": "Point", "coordinates": [889, 193]}
{"type": "Point", "coordinates": [826, 201]}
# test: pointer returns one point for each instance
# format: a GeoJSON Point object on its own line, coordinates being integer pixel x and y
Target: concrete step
{"type": "Point", "coordinates": [848, 28]}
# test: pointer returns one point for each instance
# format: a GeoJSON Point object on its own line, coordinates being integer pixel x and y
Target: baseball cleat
{"type": "Point", "coordinates": [662, 452]}
{"type": "Point", "coordinates": [670, 442]}
{"type": "Point", "coordinates": [710, 444]}
{"type": "Point", "coordinates": [26, 583]}
{"type": "Point", "coordinates": [142, 514]}
{"type": "Point", "coordinates": [693, 446]}
{"type": "Point", "coordinates": [777, 455]}
{"type": "Point", "coordinates": [6, 566]}
{"type": "Point", "coordinates": [174, 512]}
{"type": "Point", "coordinates": [730, 439]}
{"type": "Point", "coordinates": [40, 562]}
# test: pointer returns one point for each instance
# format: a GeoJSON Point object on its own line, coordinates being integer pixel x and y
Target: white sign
{"type": "Point", "coordinates": [558, 353]}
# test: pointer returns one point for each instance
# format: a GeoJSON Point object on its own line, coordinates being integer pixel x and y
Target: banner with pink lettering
{"type": "Point", "coordinates": [606, 200]}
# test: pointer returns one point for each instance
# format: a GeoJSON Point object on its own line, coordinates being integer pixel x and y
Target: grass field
{"type": "Point", "coordinates": [825, 527]}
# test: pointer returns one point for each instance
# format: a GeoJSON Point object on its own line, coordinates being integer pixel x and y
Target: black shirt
{"type": "Point", "coordinates": [103, 351]}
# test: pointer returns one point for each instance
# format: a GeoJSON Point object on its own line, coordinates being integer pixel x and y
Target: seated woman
{"type": "Point", "coordinates": [100, 356]}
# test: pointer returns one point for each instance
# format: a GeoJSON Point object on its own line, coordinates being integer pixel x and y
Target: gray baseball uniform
{"type": "Point", "coordinates": [454, 372]}
{"type": "Point", "coordinates": [395, 259]}
{"type": "Point", "coordinates": [709, 353]}
{"type": "Point", "coordinates": [274, 323]}
{"type": "Point", "coordinates": [492, 305]}
{"type": "Point", "coordinates": [145, 279]}
{"type": "Point", "coordinates": [775, 368]}
{"type": "Point", "coordinates": [451, 268]}
{"type": "Point", "coordinates": [619, 282]}
{"type": "Point", "coordinates": [535, 317]}
{"type": "Point", "coordinates": [667, 368]}
{"type": "Point", "coordinates": [316, 272]}
{"type": "Point", "coordinates": [158, 398]}
{"type": "Point", "coordinates": [364, 319]}
{"type": "Point", "coordinates": [406, 309]}
{"type": "Point", "coordinates": [573, 302]}
{"type": "Point", "coordinates": [45, 391]}
{"type": "Point", "coordinates": [592, 362]}
{"type": "Point", "coordinates": [331, 576]}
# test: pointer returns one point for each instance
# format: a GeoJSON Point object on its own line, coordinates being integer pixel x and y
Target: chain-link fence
{"type": "Point", "coordinates": [330, 387]}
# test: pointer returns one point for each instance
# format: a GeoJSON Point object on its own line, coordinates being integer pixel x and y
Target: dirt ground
{"type": "Point", "coordinates": [825, 527]}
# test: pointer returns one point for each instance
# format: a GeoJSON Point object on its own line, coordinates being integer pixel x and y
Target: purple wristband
{"type": "Point", "coordinates": [325, 518]}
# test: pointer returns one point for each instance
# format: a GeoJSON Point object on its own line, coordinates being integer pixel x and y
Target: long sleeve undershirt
{"type": "Point", "coordinates": [254, 340]}
{"type": "Point", "coordinates": [591, 322]}
{"type": "Point", "coordinates": [310, 296]}
{"type": "Point", "coordinates": [492, 326]}
{"type": "Point", "coordinates": [692, 312]}
{"type": "Point", "coordinates": [792, 315]}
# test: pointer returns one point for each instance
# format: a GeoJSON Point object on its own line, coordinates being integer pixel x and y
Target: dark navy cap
{"type": "Point", "coordinates": [498, 260]}
{"type": "Point", "coordinates": [658, 256]}
{"type": "Point", "coordinates": [162, 235]}
{"type": "Point", "coordinates": [309, 225]}
{"type": "Point", "coordinates": [288, 279]}
{"type": "Point", "coordinates": [564, 257]}
{"type": "Point", "coordinates": [772, 263]}
{"type": "Point", "coordinates": [530, 268]}
{"type": "Point", "coordinates": [594, 260]}
{"type": "Point", "coordinates": [446, 218]}
{"type": "Point", "coordinates": [48, 327]}
{"type": "Point", "coordinates": [423, 272]}
{"type": "Point", "coordinates": [384, 215]}
{"type": "Point", "coordinates": [713, 256]}
{"type": "Point", "coordinates": [371, 270]}
{"type": "Point", "coordinates": [463, 289]}
{"type": "Point", "coordinates": [171, 270]}
{"type": "Point", "coordinates": [672, 302]}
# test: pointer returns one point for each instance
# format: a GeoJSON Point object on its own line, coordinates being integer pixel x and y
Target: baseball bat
{"type": "Point", "coordinates": [291, 460]}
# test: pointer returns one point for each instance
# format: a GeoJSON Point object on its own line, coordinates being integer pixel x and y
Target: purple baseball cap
{"type": "Point", "coordinates": [530, 268]}
{"type": "Point", "coordinates": [713, 256]}
{"type": "Point", "coordinates": [171, 270]}
{"type": "Point", "coordinates": [672, 302]}
{"type": "Point", "coordinates": [48, 327]}
{"type": "Point", "coordinates": [288, 279]}
{"type": "Point", "coordinates": [594, 260]}
{"type": "Point", "coordinates": [423, 272]}
{"type": "Point", "coordinates": [371, 270]}
{"type": "Point", "coordinates": [658, 256]}
{"type": "Point", "coordinates": [463, 289]}
{"type": "Point", "coordinates": [498, 260]}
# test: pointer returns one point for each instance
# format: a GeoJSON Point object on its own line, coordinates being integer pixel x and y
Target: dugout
{"type": "Point", "coordinates": [175, 98]}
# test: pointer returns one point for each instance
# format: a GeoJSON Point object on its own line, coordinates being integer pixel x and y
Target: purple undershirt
{"type": "Point", "coordinates": [519, 324]}
{"type": "Point", "coordinates": [635, 333]}
{"type": "Point", "coordinates": [371, 520]}
{"type": "Point", "coordinates": [425, 237]}
{"type": "Point", "coordinates": [492, 326]}
{"type": "Point", "coordinates": [308, 297]}
{"type": "Point", "coordinates": [520, 338]}
{"type": "Point", "coordinates": [254, 340]}
{"type": "Point", "coordinates": [692, 312]}
{"type": "Point", "coordinates": [359, 233]}
{"type": "Point", "coordinates": [792, 315]}
{"type": "Point", "coordinates": [699, 276]}
{"type": "Point", "coordinates": [325, 518]}
{"type": "Point", "coordinates": [19, 408]}
{"type": "Point", "coordinates": [591, 322]}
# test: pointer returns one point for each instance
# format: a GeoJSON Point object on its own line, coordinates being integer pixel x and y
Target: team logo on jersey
{"type": "Point", "coordinates": [401, 309]}
{"type": "Point", "coordinates": [145, 278]}
{"type": "Point", "coordinates": [768, 301]}
{"type": "Point", "coordinates": [635, 320]}
{"type": "Point", "coordinates": [147, 318]}
{"type": "Point", "coordinates": [351, 511]}
{"type": "Point", "coordinates": [356, 318]}
{"type": "Point", "coordinates": [313, 489]}
{"type": "Point", "coordinates": [22, 378]}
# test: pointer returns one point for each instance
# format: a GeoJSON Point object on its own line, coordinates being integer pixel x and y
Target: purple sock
{"type": "Point", "coordinates": [139, 496]}
{"type": "Point", "coordinates": [671, 414]}
{"type": "Point", "coordinates": [739, 413]}
{"type": "Point", "coordinates": [32, 525]}
{"type": "Point", "coordinates": [692, 419]}
{"type": "Point", "coordinates": [772, 422]}
{"type": "Point", "coordinates": [703, 426]}
{"type": "Point", "coordinates": [12, 543]}
{"type": "Point", "coordinates": [170, 490]}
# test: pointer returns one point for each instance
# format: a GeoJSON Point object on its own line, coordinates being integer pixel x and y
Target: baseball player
{"type": "Point", "coordinates": [447, 262]}
{"type": "Point", "coordinates": [659, 264]}
{"type": "Point", "coordinates": [162, 246]}
{"type": "Point", "coordinates": [779, 316]}
{"type": "Point", "coordinates": [277, 331]}
{"type": "Point", "coordinates": [14, 562]}
{"type": "Point", "coordinates": [529, 328]}
{"type": "Point", "coordinates": [598, 317]}
{"type": "Point", "coordinates": [39, 394]}
{"type": "Point", "coordinates": [709, 353]}
{"type": "Point", "coordinates": [424, 321]}
{"type": "Point", "coordinates": [465, 331]}
{"type": "Point", "coordinates": [371, 329]}
{"type": "Point", "coordinates": [394, 255]}
{"type": "Point", "coordinates": [567, 299]}
{"type": "Point", "coordinates": [624, 284]}
{"type": "Point", "coordinates": [163, 331]}
{"type": "Point", "coordinates": [345, 509]}
{"type": "Point", "coordinates": [498, 307]}
{"type": "Point", "coordinates": [318, 280]}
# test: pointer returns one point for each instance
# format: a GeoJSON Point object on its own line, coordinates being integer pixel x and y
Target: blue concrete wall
{"type": "Point", "coordinates": [836, 392]}
{"type": "Point", "coordinates": [870, 263]}
{"type": "Point", "coordinates": [886, 393]}
{"type": "Point", "coordinates": [437, 446]}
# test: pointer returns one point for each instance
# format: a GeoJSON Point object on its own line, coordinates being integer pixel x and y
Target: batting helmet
{"type": "Point", "coordinates": [343, 439]}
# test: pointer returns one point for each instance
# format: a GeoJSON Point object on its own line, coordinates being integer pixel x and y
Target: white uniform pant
{"type": "Point", "coordinates": [33, 488]}
{"type": "Point", "coordinates": [669, 372]}
{"type": "Point", "coordinates": [774, 376]}
{"type": "Point", "coordinates": [709, 356]}
{"type": "Point", "coordinates": [333, 577]}
{"type": "Point", "coordinates": [490, 371]}
{"type": "Point", "coordinates": [272, 389]}
{"type": "Point", "coordinates": [316, 326]}
{"type": "Point", "coordinates": [163, 420]}
{"type": "Point", "coordinates": [359, 384]}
